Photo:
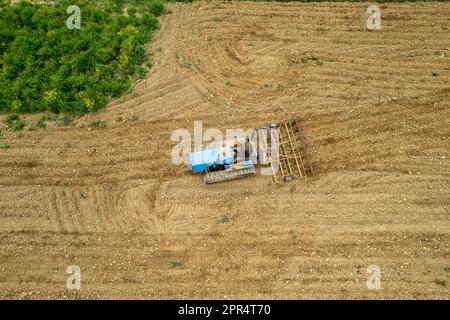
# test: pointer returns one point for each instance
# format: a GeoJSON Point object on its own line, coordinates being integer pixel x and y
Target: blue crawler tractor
{"type": "Point", "coordinates": [220, 165]}
{"type": "Point", "coordinates": [225, 163]}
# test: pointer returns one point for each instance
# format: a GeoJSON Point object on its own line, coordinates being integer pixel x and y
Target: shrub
{"type": "Point", "coordinates": [224, 219]}
{"type": "Point", "coordinates": [440, 282]}
{"type": "Point", "coordinates": [43, 119]}
{"type": "Point", "coordinates": [14, 122]}
{"type": "Point", "coordinates": [176, 264]}
{"type": "Point", "coordinates": [65, 121]}
{"type": "Point", "coordinates": [97, 123]}
{"type": "Point", "coordinates": [157, 7]}
{"type": "Point", "coordinates": [132, 11]}
{"type": "Point", "coordinates": [41, 124]}
{"type": "Point", "coordinates": [293, 235]}
{"type": "Point", "coordinates": [44, 66]}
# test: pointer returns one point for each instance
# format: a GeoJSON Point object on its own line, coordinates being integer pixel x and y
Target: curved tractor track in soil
{"type": "Point", "coordinates": [375, 106]}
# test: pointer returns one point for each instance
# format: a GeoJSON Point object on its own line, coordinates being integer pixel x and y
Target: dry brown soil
{"type": "Point", "coordinates": [375, 106]}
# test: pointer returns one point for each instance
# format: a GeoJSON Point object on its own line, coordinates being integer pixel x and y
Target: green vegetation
{"type": "Point", "coordinates": [5, 146]}
{"type": "Point", "coordinates": [65, 121]}
{"type": "Point", "coordinates": [312, 58]}
{"type": "Point", "coordinates": [43, 119]}
{"type": "Point", "coordinates": [97, 123]}
{"type": "Point", "coordinates": [293, 235]}
{"type": "Point", "coordinates": [41, 124]}
{"type": "Point", "coordinates": [297, 60]}
{"type": "Point", "coordinates": [14, 122]}
{"type": "Point", "coordinates": [176, 264]}
{"type": "Point", "coordinates": [440, 282]}
{"type": "Point", "coordinates": [186, 63]}
{"type": "Point", "coordinates": [45, 66]}
{"type": "Point", "coordinates": [224, 219]}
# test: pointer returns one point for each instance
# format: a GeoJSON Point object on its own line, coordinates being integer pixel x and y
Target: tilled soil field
{"type": "Point", "coordinates": [376, 109]}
